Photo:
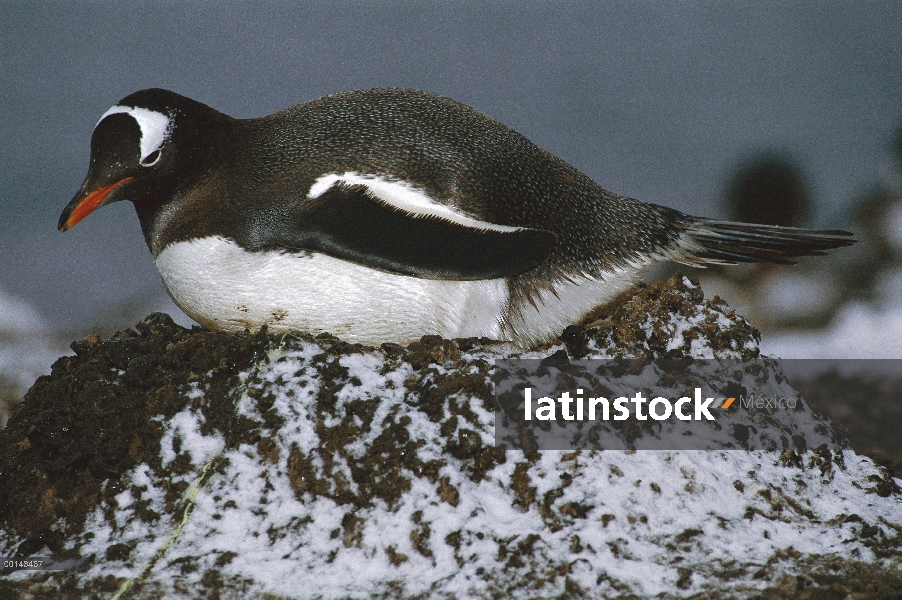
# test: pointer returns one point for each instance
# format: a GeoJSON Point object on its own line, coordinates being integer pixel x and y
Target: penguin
{"type": "Point", "coordinates": [383, 215]}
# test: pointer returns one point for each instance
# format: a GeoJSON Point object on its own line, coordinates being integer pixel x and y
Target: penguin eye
{"type": "Point", "coordinates": [151, 159]}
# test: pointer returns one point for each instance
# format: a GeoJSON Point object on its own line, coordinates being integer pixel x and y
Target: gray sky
{"type": "Point", "coordinates": [659, 101]}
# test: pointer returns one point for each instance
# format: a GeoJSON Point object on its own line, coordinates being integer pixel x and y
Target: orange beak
{"type": "Point", "coordinates": [81, 207]}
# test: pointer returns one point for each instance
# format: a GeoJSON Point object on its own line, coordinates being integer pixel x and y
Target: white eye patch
{"type": "Point", "coordinates": [154, 128]}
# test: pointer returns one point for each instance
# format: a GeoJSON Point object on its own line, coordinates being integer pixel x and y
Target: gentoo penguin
{"type": "Point", "coordinates": [382, 215]}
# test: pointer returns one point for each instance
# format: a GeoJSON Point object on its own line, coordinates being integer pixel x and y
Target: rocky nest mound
{"type": "Point", "coordinates": [189, 463]}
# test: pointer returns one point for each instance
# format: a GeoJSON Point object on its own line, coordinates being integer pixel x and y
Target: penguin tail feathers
{"type": "Point", "coordinates": [706, 241]}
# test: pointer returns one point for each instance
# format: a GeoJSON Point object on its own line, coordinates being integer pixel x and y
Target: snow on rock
{"type": "Point", "coordinates": [188, 463]}
{"type": "Point", "coordinates": [663, 321]}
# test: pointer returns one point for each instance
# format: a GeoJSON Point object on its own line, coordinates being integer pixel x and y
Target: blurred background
{"type": "Point", "coordinates": [760, 111]}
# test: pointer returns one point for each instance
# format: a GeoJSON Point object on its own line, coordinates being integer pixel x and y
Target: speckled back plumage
{"type": "Point", "coordinates": [492, 173]}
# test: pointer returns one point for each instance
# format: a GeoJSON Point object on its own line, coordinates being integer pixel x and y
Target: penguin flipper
{"type": "Point", "coordinates": [352, 223]}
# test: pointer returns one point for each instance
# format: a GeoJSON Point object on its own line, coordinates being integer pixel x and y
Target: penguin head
{"type": "Point", "coordinates": [139, 149]}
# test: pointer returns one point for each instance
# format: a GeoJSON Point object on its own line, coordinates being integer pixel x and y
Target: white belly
{"type": "Point", "coordinates": [222, 286]}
